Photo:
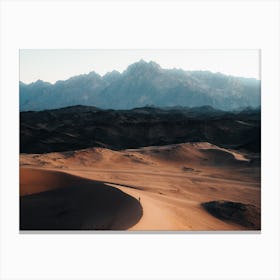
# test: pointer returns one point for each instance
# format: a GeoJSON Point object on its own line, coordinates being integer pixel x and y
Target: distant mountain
{"type": "Point", "coordinates": [143, 83]}
{"type": "Point", "coordinates": [80, 127]}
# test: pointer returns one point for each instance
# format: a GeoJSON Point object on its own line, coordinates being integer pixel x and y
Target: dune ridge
{"type": "Point", "coordinates": [185, 152]}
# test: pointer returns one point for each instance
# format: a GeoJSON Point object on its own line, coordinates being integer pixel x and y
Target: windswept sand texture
{"type": "Point", "coordinates": [100, 189]}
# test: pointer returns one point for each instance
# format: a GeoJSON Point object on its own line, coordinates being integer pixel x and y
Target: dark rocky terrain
{"type": "Point", "coordinates": [80, 127]}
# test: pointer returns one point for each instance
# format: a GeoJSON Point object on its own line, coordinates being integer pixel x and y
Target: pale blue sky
{"type": "Point", "coordinates": [53, 65]}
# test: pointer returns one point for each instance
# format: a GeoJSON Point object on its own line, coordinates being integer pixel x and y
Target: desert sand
{"type": "Point", "coordinates": [100, 188]}
{"type": "Point", "coordinates": [63, 201]}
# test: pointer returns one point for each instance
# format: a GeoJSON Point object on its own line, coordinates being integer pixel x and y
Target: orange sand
{"type": "Point", "coordinates": [171, 181]}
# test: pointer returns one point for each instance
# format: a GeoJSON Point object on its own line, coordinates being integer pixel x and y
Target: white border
{"type": "Point", "coordinates": [135, 25]}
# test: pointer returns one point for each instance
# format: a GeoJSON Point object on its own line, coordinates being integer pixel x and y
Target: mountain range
{"type": "Point", "coordinates": [143, 84]}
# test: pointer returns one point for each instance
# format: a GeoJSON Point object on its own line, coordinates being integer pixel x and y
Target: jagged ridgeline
{"type": "Point", "coordinates": [141, 84]}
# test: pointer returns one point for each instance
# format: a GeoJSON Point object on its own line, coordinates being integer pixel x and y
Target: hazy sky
{"type": "Point", "coordinates": [53, 65]}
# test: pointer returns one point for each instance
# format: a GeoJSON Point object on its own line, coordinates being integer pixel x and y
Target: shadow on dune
{"type": "Point", "coordinates": [221, 158]}
{"type": "Point", "coordinates": [246, 215]}
{"type": "Point", "coordinates": [75, 204]}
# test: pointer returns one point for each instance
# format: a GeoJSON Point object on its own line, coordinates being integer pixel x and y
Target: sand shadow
{"type": "Point", "coordinates": [74, 203]}
{"type": "Point", "coordinates": [247, 215]}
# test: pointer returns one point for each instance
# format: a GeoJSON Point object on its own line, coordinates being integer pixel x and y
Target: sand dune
{"type": "Point", "coordinates": [36, 180]}
{"type": "Point", "coordinates": [240, 213]}
{"type": "Point", "coordinates": [61, 201]}
{"type": "Point", "coordinates": [172, 181]}
{"type": "Point", "coordinates": [194, 153]}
